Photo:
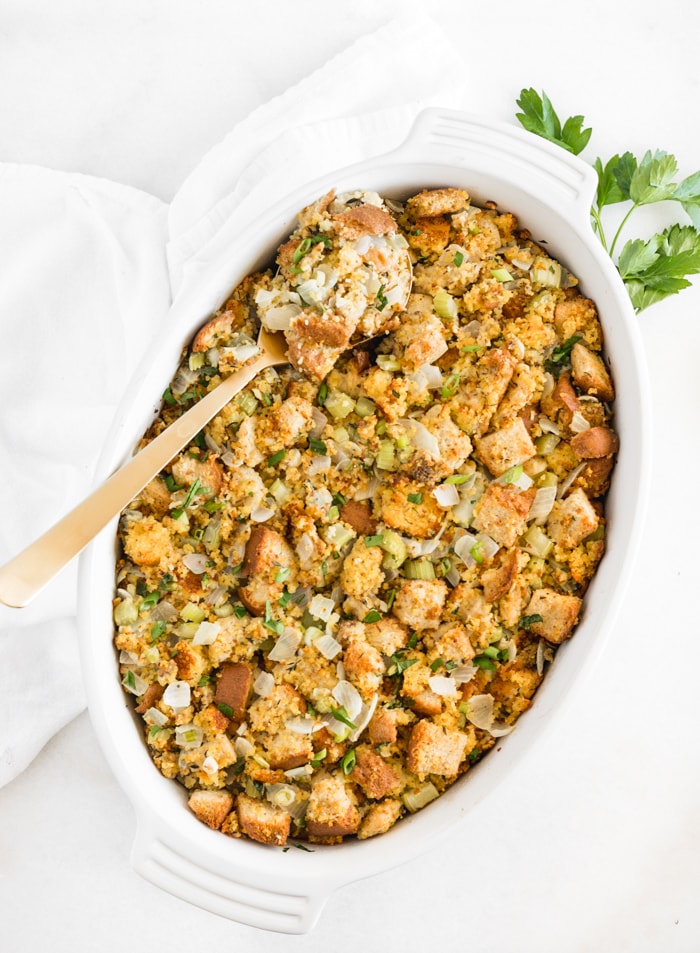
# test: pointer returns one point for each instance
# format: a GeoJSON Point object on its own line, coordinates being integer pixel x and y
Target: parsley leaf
{"type": "Point", "coordinates": [539, 116]}
{"type": "Point", "coordinates": [655, 269]}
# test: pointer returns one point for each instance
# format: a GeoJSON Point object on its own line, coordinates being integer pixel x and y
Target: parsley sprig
{"type": "Point", "coordinates": [652, 269]}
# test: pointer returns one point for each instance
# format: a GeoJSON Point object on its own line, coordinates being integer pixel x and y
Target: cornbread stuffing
{"type": "Point", "coordinates": [350, 585]}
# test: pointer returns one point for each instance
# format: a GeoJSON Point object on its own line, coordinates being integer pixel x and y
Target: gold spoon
{"type": "Point", "coordinates": [24, 576]}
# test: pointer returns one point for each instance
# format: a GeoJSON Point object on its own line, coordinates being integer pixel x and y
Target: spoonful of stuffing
{"type": "Point", "coordinates": [344, 276]}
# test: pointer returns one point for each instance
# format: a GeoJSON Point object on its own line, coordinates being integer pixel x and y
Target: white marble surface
{"type": "Point", "coordinates": [595, 843]}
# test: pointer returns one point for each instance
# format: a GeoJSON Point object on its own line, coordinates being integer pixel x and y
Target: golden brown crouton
{"type": "Point", "coordinates": [382, 727]}
{"type": "Point", "coordinates": [147, 542]}
{"type": "Point", "coordinates": [288, 749]}
{"type": "Point", "coordinates": [432, 202]}
{"type": "Point", "coordinates": [190, 661]}
{"type": "Point", "coordinates": [559, 614]}
{"type": "Point", "coordinates": [387, 635]}
{"type": "Point", "coordinates": [433, 749]}
{"type": "Point", "coordinates": [315, 341]}
{"type": "Point", "coordinates": [572, 519]}
{"type": "Point", "coordinates": [155, 498]}
{"type": "Point", "coordinates": [421, 520]}
{"type": "Point", "coordinates": [455, 446]}
{"type": "Point", "coordinates": [502, 511]}
{"type": "Point", "coordinates": [331, 811]}
{"type": "Point", "coordinates": [452, 643]}
{"type": "Point", "coordinates": [594, 443]}
{"type": "Point", "coordinates": [362, 569]}
{"type": "Point", "coordinates": [265, 554]}
{"type": "Point", "coordinates": [358, 515]}
{"type": "Point", "coordinates": [286, 423]}
{"type": "Point", "coordinates": [419, 603]}
{"type": "Point", "coordinates": [372, 773]}
{"type": "Point", "coordinates": [590, 373]}
{"type": "Point", "coordinates": [364, 666]}
{"type": "Point", "coordinates": [497, 580]}
{"type": "Point", "coordinates": [211, 807]}
{"type": "Point", "coordinates": [429, 236]}
{"type": "Point", "coordinates": [363, 220]}
{"type": "Point", "coordinates": [233, 688]}
{"type": "Point", "coordinates": [425, 341]}
{"type": "Point", "coordinates": [209, 472]}
{"type": "Point", "coordinates": [578, 315]}
{"type": "Point", "coordinates": [506, 447]}
{"type": "Point", "coordinates": [380, 818]}
{"type": "Point", "coordinates": [263, 822]}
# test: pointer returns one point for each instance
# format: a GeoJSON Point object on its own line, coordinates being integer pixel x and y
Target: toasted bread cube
{"type": "Point", "coordinates": [572, 520]}
{"type": "Point", "coordinates": [419, 603]}
{"type": "Point", "coordinates": [331, 811]}
{"type": "Point", "coordinates": [262, 821]}
{"type": "Point", "coordinates": [372, 773]}
{"type": "Point", "coordinates": [590, 373]}
{"type": "Point", "coordinates": [380, 818]}
{"type": "Point", "coordinates": [559, 614]}
{"type": "Point", "coordinates": [211, 807]}
{"type": "Point", "coordinates": [433, 749]}
{"type": "Point", "coordinates": [502, 511]}
{"type": "Point", "coordinates": [507, 447]}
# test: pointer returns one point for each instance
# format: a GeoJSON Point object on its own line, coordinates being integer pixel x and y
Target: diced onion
{"type": "Point", "coordinates": [463, 548]}
{"type": "Point", "coordinates": [548, 426]}
{"type": "Point", "coordinates": [349, 698]}
{"type": "Point", "coordinates": [155, 717]}
{"type": "Point", "coordinates": [569, 479]}
{"type": "Point", "coordinates": [328, 646]}
{"type": "Point", "coordinates": [188, 736]}
{"type": "Point", "coordinates": [243, 747]}
{"type": "Point", "coordinates": [321, 607]}
{"type": "Point", "coordinates": [364, 718]}
{"type": "Point", "coordinates": [177, 695]}
{"type": "Point", "coordinates": [421, 437]}
{"type": "Point", "coordinates": [261, 514]}
{"type": "Point", "coordinates": [305, 550]}
{"type": "Point", "coordinates": [432, 374]}
{"type": "Point", "coordinates": [264, 684]}
{"type": "Point", "coordinates": [263, 297]}
{"type": "Point", "coordinates": [542, 504]}
{"type": "Point", "coordinates": [244, 352]}
{"type": "Point", "coordinates": [443, 685]}
{"type": "Point", "coordinates": [279, 319]}
{"type": "Point", "coordinates": [447, 495]}
{"type": "Point", "coordinates": [135, 684]}
{"type": "Point", "coordinates": [416, 798]}
{"type": "Point", "coordinates": [301, 772]}
{"type": "Point", "coordinates": [303, 726]}
{"type": "Point", "coordinates": [206, 633]}
{"type": "Point", "coordinates": [463, 673]}
{"type": "Point", "coordinates": [579, 423]}
{"type": "Point", "coordinates": [195, 562]}
{"type": "Point", "coordinates": [281, 795]}
{"type": "Point", "coordinates": [285, 648]}
{"type": "Point", "coordinates": [480, 711]}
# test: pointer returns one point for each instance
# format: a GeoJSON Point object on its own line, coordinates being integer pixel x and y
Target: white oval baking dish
{"type": "Point", "coordinates": [550, 191]}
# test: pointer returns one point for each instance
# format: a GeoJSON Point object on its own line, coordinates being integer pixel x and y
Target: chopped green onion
{"type": "Point", "coordinates": [157, 630]}
{"type": "Point", "coordinates": [318, 758]}
{"type": "Point", "coordinates": [347, 762]}
{"type": "Point", "coordinates": [415, 498]}
{"type": "Point", "coordinates": [150, 600]}
{"type": "Point", "coordinates": [306, 244]}
{"type": "Point", "coordinates": [270, 623]}
{"type": "Point", "coordinates": [457, 479]}
{"type": "Point", "coordinates": [458, 259]}
{"type": "Point", "coordinates": [225, 709]}
{"type": "Point", "coordinates": [193, 491]}
{"type": "Point", "coordinates": [280, 492]}
{"type": "Point", "coordinates": [247, 403]}
{"type": "Point", "coordinates": [449, 388]}
{"type": "Point", "coordinates": [483, 661]}
{"type": "Point", "coordinates": [340, 714]}
{"type": "Point", "coordinates": [318, 446]}
{"type": "Point", "coordinates": [434, 666]}
{"type": "Point", "coordinates": [501, 274]}
{"type": "Point", "coordinates": [322, 394]}
{"type": "Point", "coordinates": [372, 616]}
{"type": "Point", "coordinates": [276, 458]}
{"type": "Point", "coordinates": [528, 620]}
{"type": "Point", "coordinates": [512, 475]}
{"type": "Point", "coordinates": [282, 573]}
{"type": "Point", "coordinates": [374, 540]}
{"type": "Point", "coordinates": [477, 551]}
{"type": "Point", "coordinates": [382, 300]}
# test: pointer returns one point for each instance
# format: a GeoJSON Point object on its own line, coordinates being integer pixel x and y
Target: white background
{"type": "Point", "coordinates": [594, 844]}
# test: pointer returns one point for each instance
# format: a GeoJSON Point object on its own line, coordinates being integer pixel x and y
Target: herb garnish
{"type": "Point", "coordinates": [652, 269]}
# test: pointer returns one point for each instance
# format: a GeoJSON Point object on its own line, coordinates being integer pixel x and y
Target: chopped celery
{"type": "Point", "coordinates": [388, 362]}
{"type": "Point", "coordinates": [339, 405]}
{"type": "Point", "coordinates": [365, 407]}
{"type": "Point", "coordinates": [386, 458]}
{"type": "Point", "coordinates": [445, 305]}
{"type": "Point", "coordinates": [537, 542]}
{"type": "Point", "coordinates": [395, 550]}
{"type": "Point", "coordinates": [192, 613]}
{"type": "Point", "coordinates": [546, 443]}
{"type": "Point", "coordinates": [419, 569]}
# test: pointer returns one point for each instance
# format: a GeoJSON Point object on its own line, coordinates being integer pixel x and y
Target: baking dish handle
{"type": "Point", "coordinates": [498, 149]}
{"type": "Point", "coordinates": [281, 911]}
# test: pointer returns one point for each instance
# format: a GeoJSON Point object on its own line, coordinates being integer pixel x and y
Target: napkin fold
{"type": "Point", "coordinates": [90, 269]}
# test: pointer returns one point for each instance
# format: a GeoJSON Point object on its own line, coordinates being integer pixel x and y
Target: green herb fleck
{"type": "Point", "coordinates": [225, 709]}
{"type": "Point", "coordinates": [318, 446]}
{"type": "Point", "coordinates": [528, 620]}
{"type": "Point", "coordinates": [372, 616]}
{"type": "Point", "coordinates": [415, 498]}
{"type": "Point", "coordinates": [348, 761]}
{"type": "Point", "coordinates": [276, 458]}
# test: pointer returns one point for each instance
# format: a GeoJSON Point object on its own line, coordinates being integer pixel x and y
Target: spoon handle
{"type": "Point", "coordinates": [24, 576]}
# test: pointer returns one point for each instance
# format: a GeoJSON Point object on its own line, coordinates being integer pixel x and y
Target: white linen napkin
{"type": "Point", "coordinates": [89, 271]}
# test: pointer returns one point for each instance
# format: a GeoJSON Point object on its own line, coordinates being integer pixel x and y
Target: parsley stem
{"type": "Point", "coordinates": [620, 227]}
{"type": "Point", "coordinates": [598, 226]}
